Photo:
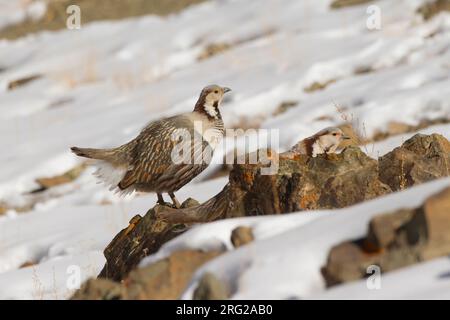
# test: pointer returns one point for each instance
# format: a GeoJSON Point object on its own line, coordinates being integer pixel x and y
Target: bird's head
{"type": "Point", "coordinates": [331, 137]}
{"type": "Point", "coordinates": [210, 99]}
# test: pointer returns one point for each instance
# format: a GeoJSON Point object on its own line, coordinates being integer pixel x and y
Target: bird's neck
{"type": "Point", "coordinates": [309, 144]}
{"type": "Point", "coordinates": [318, 145]}
{"type": "Point", "coordinates": [208, 108]}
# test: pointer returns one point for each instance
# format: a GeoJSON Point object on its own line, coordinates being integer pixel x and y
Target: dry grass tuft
{"type": "Point", "coordinates": [212, 50]}
{"type": "Point", "coordinates": [284, 106]}
{"type": "Point", "coordinates": [317, 86]}
{"type": "Point", "coordinates": [22, 81]}
{"type": "Point", "coordinates": [336, 4]}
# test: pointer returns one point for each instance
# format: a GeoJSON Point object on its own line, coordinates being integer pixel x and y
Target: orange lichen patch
{"type": "Point", "coordinates": [298, 157]}
{"type": "Point", "coordinates": [307, 199]}
{"type": "Point", "coordinates": [287, 156]}
{"type": "Point", "coordinates": [133, 222]}
{"type": "Point", "coordinates": [369, 248]}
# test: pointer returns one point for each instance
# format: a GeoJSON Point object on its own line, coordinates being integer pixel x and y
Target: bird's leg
{"type": "Point", "coordinates": [160, 199]}
{"type": "Point", "coordinates": [174, 200]}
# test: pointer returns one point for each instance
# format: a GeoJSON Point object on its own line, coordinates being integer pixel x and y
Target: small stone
{"type": "Point", "coordinates": [241, 236]}
{"type": "Point", "coordinates": [343, 264]}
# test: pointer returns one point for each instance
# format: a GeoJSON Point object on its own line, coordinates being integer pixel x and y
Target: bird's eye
{"type": "Point", "coordinates": [335, 134]}
{"type": "Point", "coordinates": [216, 91]}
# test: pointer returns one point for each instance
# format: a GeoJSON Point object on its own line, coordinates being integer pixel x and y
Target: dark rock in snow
{"type": "Point", "coordinates": [393, 241]}
{"type": "Point", "coordinates": [241, 236]}
{"type": "Point", "coordinates": [210, 288]}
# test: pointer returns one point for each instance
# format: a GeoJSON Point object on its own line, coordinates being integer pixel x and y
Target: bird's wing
{"type": "Point", "coordinates": [157, 152]}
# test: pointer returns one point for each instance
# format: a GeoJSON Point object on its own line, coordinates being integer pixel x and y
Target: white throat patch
{"type": "Point", "coordinates": [210, 110]}
{"type": "Point", "coordinates": [325, 144]}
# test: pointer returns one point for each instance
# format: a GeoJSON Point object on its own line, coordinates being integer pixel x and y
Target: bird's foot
{"type": "Point", "coordinates": [160, 200]}
{"type": "Point", "coordinates": [175, 203]}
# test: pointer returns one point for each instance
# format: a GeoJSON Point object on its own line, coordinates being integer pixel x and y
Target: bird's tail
{"type": "Point", "coordinates": [99, 154]}
{"type": "Point", "coordinates": [111, 165]}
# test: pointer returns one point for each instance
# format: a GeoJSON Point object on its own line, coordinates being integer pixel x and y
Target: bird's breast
{"type": "Point", "coordinates": [211, 131]}
{"type": "Point", "coordinates": [213, 136]}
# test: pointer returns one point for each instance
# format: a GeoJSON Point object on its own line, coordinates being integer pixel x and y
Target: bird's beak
{"type": "Point", "coordinates": [346, 137]}
{"type": "Point", "coordinates": [225, 90]}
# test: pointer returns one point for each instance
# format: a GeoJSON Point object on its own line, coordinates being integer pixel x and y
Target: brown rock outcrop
{"type": "Point", "coordinates": [163, 279]}
{"type": "Point", "coordinates": [394, 240]}
{"type": "Point", "coordinates": [420, 159]}
{"type": "Point", "coordinates": [301, 183]}
{"type": "Point", "coordinates": [143, 236]}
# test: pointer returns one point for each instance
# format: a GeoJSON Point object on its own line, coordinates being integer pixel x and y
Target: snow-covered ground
{"type": "Point", "coordinates": [99, 85]}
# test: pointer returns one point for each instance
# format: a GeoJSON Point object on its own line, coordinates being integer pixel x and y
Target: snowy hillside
{"type": "Point", "coordinates": [98, 86]}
